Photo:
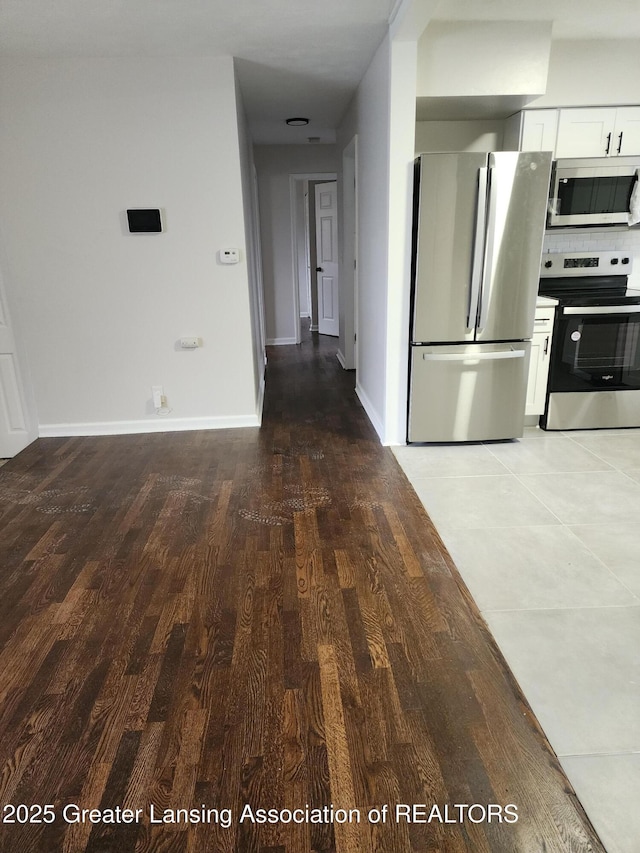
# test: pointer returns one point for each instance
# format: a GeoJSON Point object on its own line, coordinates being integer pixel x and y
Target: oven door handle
{"type": "Point", "coordinates": [602, 309]}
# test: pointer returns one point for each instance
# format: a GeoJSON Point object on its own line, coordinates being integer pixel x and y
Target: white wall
{"type": "Point", "coordinates": [480, 58]}
{"type": "Point", "coordinates": [275, 163]}
{"type": "Point", "coordinates": [368, 116]}
{"type": "Point", "coordinates": [584, 73]}
{"type": "Point", "coordinates": [403, 70]}
{"type": "Point", "coordinates": [254, 256]}
{"type": "Point", "coordinates": [348, 213]}
{"type": "Point", "coordinates": [382, 115]}
{"type": "Point", "coordinates": [485, 135]}
{"type": "Point", "coordinates": [101, 310]}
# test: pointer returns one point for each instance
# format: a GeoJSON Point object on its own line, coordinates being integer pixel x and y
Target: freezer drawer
{"type": "Point", "coordinates": [468, 392]}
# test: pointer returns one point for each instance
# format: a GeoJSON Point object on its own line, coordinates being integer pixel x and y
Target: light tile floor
{"type": "Point", "coordinates": [546, 534]}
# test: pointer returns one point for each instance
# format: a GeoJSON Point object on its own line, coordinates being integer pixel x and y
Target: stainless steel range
{"type": "Point", "coordinates": [594, 377]}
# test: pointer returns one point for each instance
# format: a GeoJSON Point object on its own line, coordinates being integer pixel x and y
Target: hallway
{"type": "Point", "coordinates": [211, 620]}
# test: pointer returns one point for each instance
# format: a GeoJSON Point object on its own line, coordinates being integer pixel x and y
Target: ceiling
{"type": "Point", "coordinates": [572, 19]}
{"type": "Point", "coordinates": [294, 57]}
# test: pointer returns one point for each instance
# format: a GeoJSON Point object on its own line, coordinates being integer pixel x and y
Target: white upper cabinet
{"type": "Point", "coordinates": [598, 132]}
{"type": "Point", "coordinates": [627, 131]}
{"type": "Point", "coordinates": [531, 130]}
{"type": "Point", "coordinates": [585, 132]}
{"type": "Point", "coordinates": [576, 131]}
{"type": "Point", "coordinates": [538, 130]}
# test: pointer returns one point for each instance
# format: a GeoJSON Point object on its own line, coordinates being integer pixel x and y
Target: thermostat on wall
{"type": "Point", "coordinates": [144, 220]}
{"type": "Point", "coordinates": [229, 256]}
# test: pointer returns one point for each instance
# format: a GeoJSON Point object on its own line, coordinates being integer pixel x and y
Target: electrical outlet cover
{"type": "Point", "coordinates": [157, 394]}
{"type": "Point", "coordinates": [189, 343]}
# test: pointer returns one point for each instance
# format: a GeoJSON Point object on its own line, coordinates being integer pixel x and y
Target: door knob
{"type": "Point", "coordinates": [319, 269]}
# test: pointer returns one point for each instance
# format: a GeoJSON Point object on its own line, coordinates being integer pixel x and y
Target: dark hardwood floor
{"type": "Point", "coordinates": [262, 618]}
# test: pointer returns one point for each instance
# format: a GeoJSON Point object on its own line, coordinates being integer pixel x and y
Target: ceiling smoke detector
{"type": "Point", "coordinates": [297, 121]}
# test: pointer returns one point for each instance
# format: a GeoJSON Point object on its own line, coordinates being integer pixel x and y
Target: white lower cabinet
{"type": "Point", "coordinates": [539, 361]}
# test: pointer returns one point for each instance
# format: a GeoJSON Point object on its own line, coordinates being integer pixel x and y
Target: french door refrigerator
{"type": "Point", "coordinates": [477, 241]}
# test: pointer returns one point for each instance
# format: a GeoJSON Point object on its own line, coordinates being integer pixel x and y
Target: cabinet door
{"type": "Point", "coordinates": [539, 130]}
{"type": "Point", "coordinates": [538, 373]}
{"type": "Point", "coordinates": [586, 133]}
{"type": "Point", "coordinates": [626, 138]}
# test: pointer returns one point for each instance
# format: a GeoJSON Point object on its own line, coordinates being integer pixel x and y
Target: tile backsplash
{"type": "Point", "coordinates": [598, 241]}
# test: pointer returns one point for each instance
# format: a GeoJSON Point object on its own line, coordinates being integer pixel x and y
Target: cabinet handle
{"type": "Point", "coordinates": [546, 345]}
{"type": "Point", "coordinates": [608, 143]}
{"type": "Point", "coordinates": [620, 143]}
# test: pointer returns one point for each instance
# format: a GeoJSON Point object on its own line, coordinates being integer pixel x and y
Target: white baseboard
{"type": "Point", "coordinates": [343, 361]}
{"type": "Point", "coordinates": [371, 412]}
{"type": "Point", "coordinates": [281, 342]}
{"type": "Point", "coordinates": [161, 424]}
{"type": "Point", "coordinates": [313, 327]}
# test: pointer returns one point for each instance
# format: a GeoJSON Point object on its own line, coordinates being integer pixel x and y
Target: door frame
{"type": "Point", "coordinates": [348, 189]}
{"type": "Point", "coordinates": [327, 268]}
{"type": "Point", "coordinates": [256, 250]}
{"type": "Point", "coordinates": [295, 212]}
{"type": "Point", "coordinates": [21, 407]}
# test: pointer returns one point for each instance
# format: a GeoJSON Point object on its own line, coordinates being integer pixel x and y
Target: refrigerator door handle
{"type": "Point", "coordinates": [487, 269]}
{"type": "Point", "coordinates": [479, 356]}
{"type": "Point", "coordinates": [478, 248]}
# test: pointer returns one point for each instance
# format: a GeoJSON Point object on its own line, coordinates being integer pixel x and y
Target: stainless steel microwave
{"type": "Point", "coordinates": [592, 191]}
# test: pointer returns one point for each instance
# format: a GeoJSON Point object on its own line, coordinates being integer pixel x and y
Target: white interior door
{"type": "Point", "coordinates": [14, 432]}
{"type": "Point", "coordinates": [327, 257]}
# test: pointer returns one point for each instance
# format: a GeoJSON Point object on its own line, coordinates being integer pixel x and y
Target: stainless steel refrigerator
{"type": "Point", "coordinates": [477, 240]}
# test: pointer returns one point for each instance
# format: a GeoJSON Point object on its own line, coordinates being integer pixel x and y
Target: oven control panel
{"type": "Point", "coordinates": [557, 264]}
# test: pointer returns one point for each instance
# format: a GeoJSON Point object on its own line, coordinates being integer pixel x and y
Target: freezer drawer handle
{"type": "Point", "coordinates": [480, 356]}
{"type": "Point", "coordinates": [602, 309]}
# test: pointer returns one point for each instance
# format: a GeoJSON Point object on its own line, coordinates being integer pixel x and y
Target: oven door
{"type": "Point", "coordinates": [595, 195]}
{"type": "Point", "coordinates": [596, 348]}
